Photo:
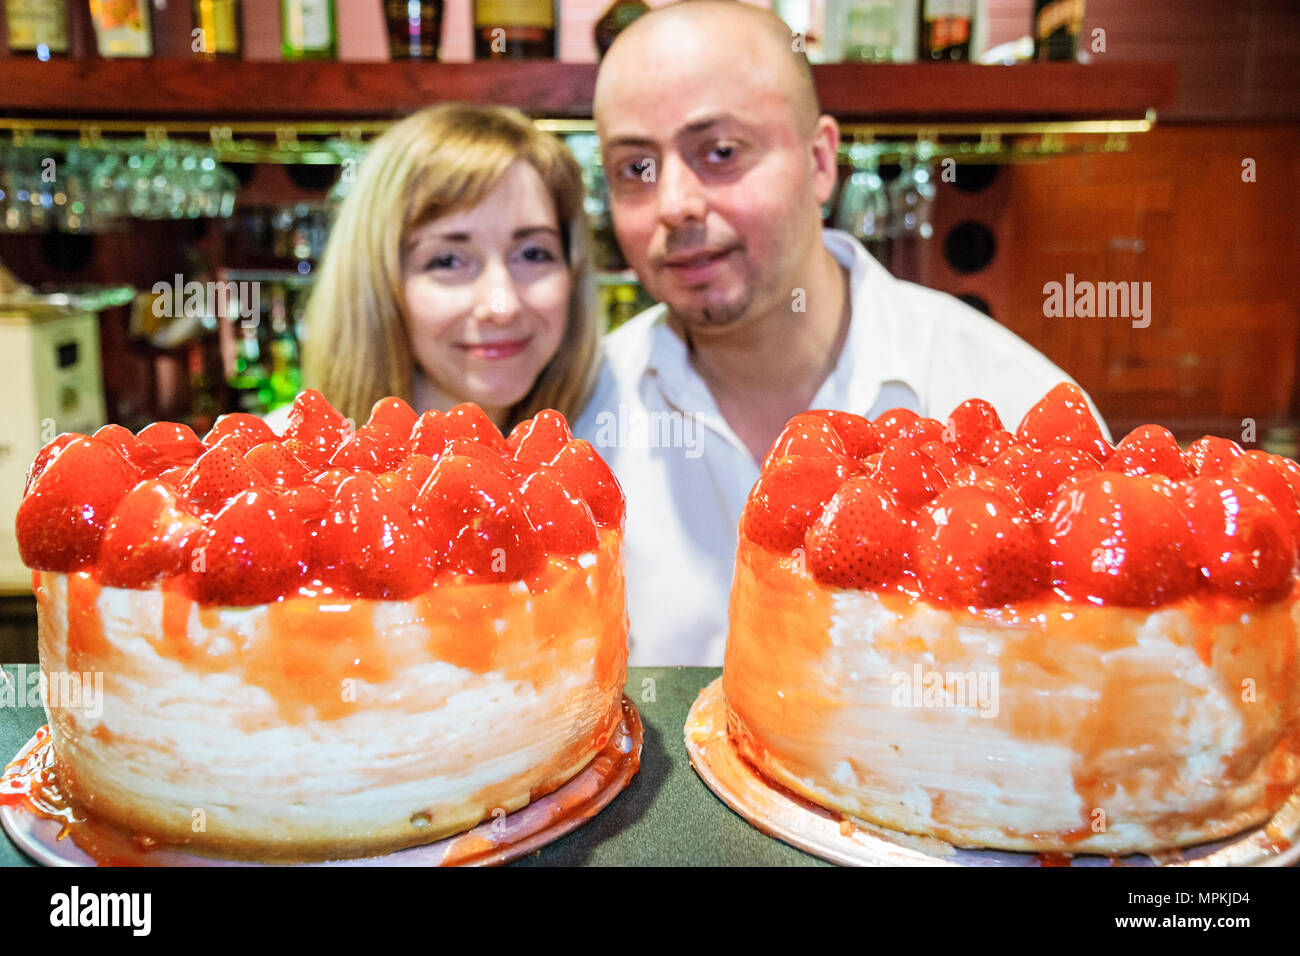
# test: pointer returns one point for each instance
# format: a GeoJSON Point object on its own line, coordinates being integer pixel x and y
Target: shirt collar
{"type": "Point", "coordinates": [875, 350]}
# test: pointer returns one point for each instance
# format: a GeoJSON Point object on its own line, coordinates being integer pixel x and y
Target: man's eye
{"type": "Point", "coordinates": [637, 168]}
{"type": "Point", "coordinates": [723, 153]}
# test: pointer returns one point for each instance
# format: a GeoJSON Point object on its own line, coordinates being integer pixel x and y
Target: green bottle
{"type": "Point", "coordinates": [308, 30]}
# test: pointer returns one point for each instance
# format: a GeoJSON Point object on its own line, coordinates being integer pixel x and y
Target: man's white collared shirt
{"type": "Point", "coordinates": [686, 475]}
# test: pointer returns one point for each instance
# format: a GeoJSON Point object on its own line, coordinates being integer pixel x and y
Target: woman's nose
{"type": "Point", "coordinates": [498, 299]}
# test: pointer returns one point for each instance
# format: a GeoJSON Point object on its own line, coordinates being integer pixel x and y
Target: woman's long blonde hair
{"type": "Point", "coordinates": [441, 160]}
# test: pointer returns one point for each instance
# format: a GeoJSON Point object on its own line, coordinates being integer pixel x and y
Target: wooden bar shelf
{"type": "Point", "coordinates": [228, 90]}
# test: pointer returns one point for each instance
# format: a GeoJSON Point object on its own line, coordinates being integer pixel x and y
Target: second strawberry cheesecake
{"type": "Point", "coordinates": [1031, 641]}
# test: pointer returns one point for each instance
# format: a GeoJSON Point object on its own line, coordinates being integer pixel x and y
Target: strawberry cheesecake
{"type": "Point", "coordinates": [326, 643]}
{"type": "Point", "coordinates": [1034, 641]}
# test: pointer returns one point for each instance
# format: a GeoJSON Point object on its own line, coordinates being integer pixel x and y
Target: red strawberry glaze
{"type": "Point", "coordinates": [249, 519]}
{"type": "Point", "coordinates": [1049, 512]}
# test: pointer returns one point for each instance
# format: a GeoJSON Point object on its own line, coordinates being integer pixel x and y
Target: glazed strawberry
{"type": "Point", "coordinates": [305, 504]}
{"type": "Point", "coordinates": [46, 455]}
{"type": "Point", "coordinates": [970, 424]}
{"type": "Point", "coordinates": [249, 431]}
{"type": "Point", "coordinates": [976, 477]}
{"type": "Point", "coordinates": [1062, 417]}
{"type": "Point", "coordinates": [1149, 450]}
{"type": "Point", "coordinates": [369, 544]}
{"type": "Point", "coordinates": [564, 523]}
{"type": "Point", "coordinates": [1014, 463]}
{"type": "Point", "coordinates": [787, 498]}
{"type": "Point", "coordinates": [1242, 544]}
{"type": "Point", "coordinates": [545, 437]}
{"type": "Point", "coordinates": [992, 447]}
{"type": "Point", "coordinates": [922, 431]}
{"type": "Point", "coordinates": [907, 474]}
{"type": "Point", "coordinates": [467, 420]}
{"type": "Point", "coordinates": [518, 432]}
{"type": "Point", "coordinates": [416, 470]}
{"type": "Point", "coordinates": [395, 485]}
{"type": "Point", "coordinates": [588, 475]}
{"type": "Point", "coordinates": [360, 452]}
{"type": "Point", "coordinates": [173, 477]}
{"type": "Point", "coordinates": [171, 443]}
{"type": "Point", "coordinates": [942, 456]}
{"type": "Point", "coordinates": [219, 474]}
{"type": "Point", "coordinates": [329, 480]}
{"type": "Point", "coordinates": [475, 521]}
{"type": "Point", "coordinates": [862, 539]}
{"type": "Point", "coordinates": [1211, 451]}
{"type": "Point", "coordinates": [976, 548]}
{"type": "Point", "coordinates": [1290, 471]}
{"type": "Point", "coordinates": [429, 436]}
{"type": "Point", "coordinates": [390, 426]}
{"type": "Point", "coordinates": [487, 454]}
{"type": "Point", "coordinates": [889, 424]}
{"type": "Point", "coordinates": [316, 427]}
{"type": "Point", "coordinates": [275, 466]}
{"type": "Point", "coordinates": [1120, 539]}
{"type": "Point", "coordinates": [1260, 470]}
{"type": "Point", "coordinates": [807, 436]}
{"type": "Point", "coordinates": [61, 521]}
{"type": "Point", "coordinates": [245, 553]}
{"type": "Point", "coordinates": [859, 436]}
{"type": "Point", "coordinates": [1036, 475]}
{"type": "Point", "coordinates": [148, 538]}
{"type": "Point", "coordinates": [127, 445]}
{"type": "Point", "coordinates": [391, 419]}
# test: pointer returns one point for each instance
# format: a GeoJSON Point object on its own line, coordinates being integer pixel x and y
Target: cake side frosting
{"type": "Point", "coordinates": [322, 727]}
{"type": "Point", "coordinates": [1059, 728]}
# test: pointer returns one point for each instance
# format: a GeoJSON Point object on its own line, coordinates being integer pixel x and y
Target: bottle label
{"type": "Point", "coordinates": [122, 29]}
{"type": "Point", "coordinates": [948, 9]}
{"type": "Point", "coordinates": [1054, 16]}
{"type": "Point", "coordinates": [216, 18]}
{"type": "Point", "coordinates": [514, 13]}
{"type": "Point", "coordinates": [33, 22]}
{"type": "Point", "coordinates": [308, 24]}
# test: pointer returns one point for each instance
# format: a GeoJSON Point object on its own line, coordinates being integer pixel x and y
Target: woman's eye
{"type": "Point", "coordinates": [538, 254]}
{"type": "Point", "coordinates": [446, 260]}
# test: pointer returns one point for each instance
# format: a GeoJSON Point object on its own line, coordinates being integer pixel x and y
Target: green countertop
{"type": "Point", "coordinates": [666, 816]}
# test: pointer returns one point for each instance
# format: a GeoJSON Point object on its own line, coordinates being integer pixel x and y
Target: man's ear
{"type": "Point", "coordinates": [825, 157]}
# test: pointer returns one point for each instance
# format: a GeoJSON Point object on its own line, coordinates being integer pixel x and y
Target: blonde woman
{"type": "Point", "coordinates": [458, 270]}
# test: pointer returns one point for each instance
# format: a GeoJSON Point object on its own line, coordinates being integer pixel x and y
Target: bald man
{"type": "Point", "coordinates": [718, 161]}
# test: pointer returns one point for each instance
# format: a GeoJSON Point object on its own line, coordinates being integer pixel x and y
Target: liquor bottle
{"type": "Point", "coordinates": [1056, 28]}
{"type": "Point", "coordinates": [514, 30]}
{"type": "Point", "coordinates": [616, 19]}
{"type": "Point", "coordinates": [308, 30]}
{"type": "Point", "coordinates": [808, 18]}
{"type": "Point", "coordinates": [218, 24]}
{"type": "Point", "coordinates": [37, 28]}
{"type": "Point", "coordinates": [414, 28]}
{"type": "Point", "coordinates": [944, 30]}
{"type": "Point", "coordinates": [122, 28]}
{"type": "Point", "coordinates": [874, 31]}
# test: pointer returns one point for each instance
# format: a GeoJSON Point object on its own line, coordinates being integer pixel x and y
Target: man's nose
{"type": "Point", "coordinates": [498, 299]}
{"type": "Point", "coordinates": [679, 192]}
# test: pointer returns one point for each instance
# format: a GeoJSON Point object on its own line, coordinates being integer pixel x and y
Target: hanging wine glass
{"type": "Point", "coordinates": [864, 207]}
